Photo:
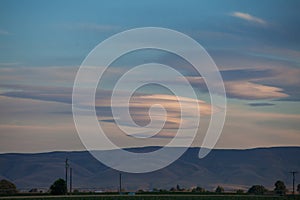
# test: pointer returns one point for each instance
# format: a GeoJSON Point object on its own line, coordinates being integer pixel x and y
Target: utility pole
{"type": "Point", "coordinates": [120, 183]}
{"type": "Point", "coordinates": [293, 173]}
{"type": "Point", "coordinates": [66, 179]}
{"type": "Point", "coordinates": [70, 180]}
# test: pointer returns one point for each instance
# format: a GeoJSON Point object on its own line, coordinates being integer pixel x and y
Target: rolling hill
{"type": "Point", "coordinates": [230, 168]}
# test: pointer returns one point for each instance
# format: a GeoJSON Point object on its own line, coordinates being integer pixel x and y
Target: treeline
{"type": "Point", "coordinates": [279, 188]}
{"type": "Point", "coordinates": [59, 187]}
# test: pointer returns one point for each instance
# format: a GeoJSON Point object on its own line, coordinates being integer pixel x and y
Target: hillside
{"type": "Point", "coordinates": [229, 168]}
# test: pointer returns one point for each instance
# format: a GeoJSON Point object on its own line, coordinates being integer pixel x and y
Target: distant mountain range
{"type": "Point", "coordinates": [231, 169]}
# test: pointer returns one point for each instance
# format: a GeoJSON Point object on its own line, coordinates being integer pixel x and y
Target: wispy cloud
{"type": "Point", "coordinates": [9, 64]}
{"type": "Point", "coordinates": [3, 32]}
{"type": "Point", "coordinates": [256, 84]}
{"type": "Point", "coordinates": [253, 91]}
{"type": "Point", "coordinates": [140, 105]}
{"type": "Point", "coordinates": [248, 17]}
{"type": "Point", "coordinates": [95, 27]}
{"type": "Point", "coordinates": [260, 104]}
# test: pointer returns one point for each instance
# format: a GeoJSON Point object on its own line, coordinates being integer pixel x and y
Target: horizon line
{"type": "Point", "coordinates": [193, 147]}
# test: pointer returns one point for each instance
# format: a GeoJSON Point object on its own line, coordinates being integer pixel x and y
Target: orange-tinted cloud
{"type": "Point", "coordinates": [249, 90]}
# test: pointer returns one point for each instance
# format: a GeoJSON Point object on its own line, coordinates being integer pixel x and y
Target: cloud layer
{"type": "Point", "coordinates": [256, 49]}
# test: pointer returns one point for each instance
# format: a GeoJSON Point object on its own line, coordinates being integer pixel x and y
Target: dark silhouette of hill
{"type": "Point", "coordinates": [229, 168]}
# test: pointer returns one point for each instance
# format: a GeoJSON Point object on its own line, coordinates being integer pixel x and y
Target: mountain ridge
{"type": "Point", "coordinates": [231, 168]}
{"type": "Point", "coordinates": [70, 151]}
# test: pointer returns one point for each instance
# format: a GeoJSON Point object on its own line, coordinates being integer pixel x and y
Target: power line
{"type": "Point", "coordinates": [293, 173]}
{"type": "Point", "coordinates": [67, 166]}
{"type": "Point", "coordinates": [71, 180]}
{"type": "Point", "coordinates": [120, 183]}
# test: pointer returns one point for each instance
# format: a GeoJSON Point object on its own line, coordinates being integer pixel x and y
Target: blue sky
{"type": "Point", "coordinates": [255, 44]}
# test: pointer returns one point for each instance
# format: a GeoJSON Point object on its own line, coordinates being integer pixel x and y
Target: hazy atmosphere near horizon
{"type": "Point", "coordinates": [255, 44]}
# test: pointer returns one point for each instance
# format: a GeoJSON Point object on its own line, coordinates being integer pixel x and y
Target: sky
{"type": "Point", "coordinates": [255, 44]}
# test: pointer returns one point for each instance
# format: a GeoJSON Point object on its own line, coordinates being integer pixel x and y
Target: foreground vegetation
{"type": "Point", "coordinates": [156, 197]}
{"type": "Point", "coordinates": [58, 191]}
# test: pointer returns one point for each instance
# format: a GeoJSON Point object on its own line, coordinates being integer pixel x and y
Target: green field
{"type": "Point", "coordinates": [154, 197]}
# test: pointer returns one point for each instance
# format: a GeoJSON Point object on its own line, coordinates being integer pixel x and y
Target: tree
{"type": "Point", "coordinates": [59, 187]}
{"type": "Point", "coordinates": [240, 191]}
{"type": "Point", "coordinates": [219, 189]}
{"type": "Point", "coordinates": [298, 188]}
{"type": "Point", "coordinates": [7, 187]}
{"type": "Point", "coordinates": [76, 191]}
{"type": "Point", "coordinates": [280, 188]}
{"type": "Point", "coordinates": [198, 189]}
{"type": "Point", "coordinates": [257, 190]}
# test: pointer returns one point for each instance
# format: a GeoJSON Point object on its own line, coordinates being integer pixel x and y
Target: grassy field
{"type": "Point", "coordinates": [154, 197]}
